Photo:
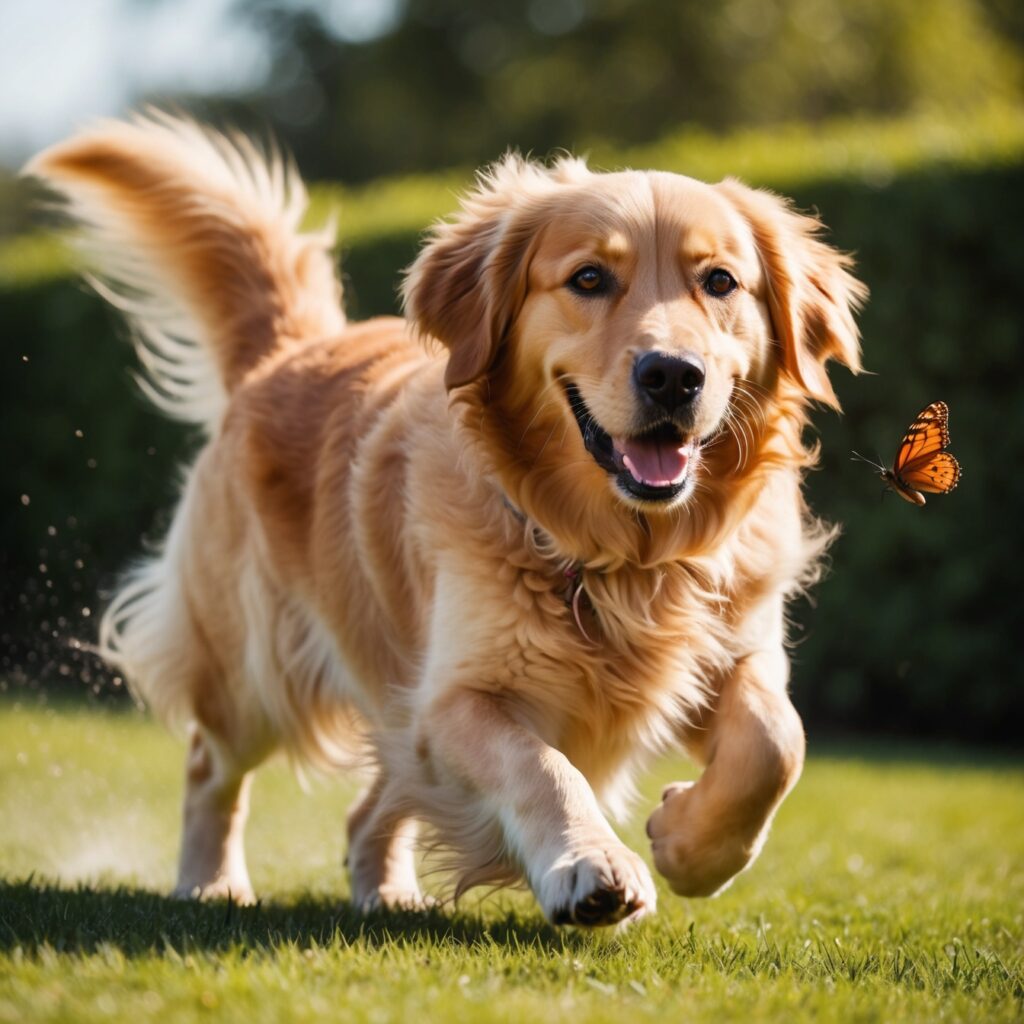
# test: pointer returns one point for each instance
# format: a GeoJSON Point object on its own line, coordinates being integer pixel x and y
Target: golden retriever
{"type": "Point", "coordinates": [508, 548]}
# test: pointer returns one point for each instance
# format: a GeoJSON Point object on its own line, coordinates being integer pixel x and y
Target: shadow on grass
{"type": "Point", "coordinates": [36, 915]}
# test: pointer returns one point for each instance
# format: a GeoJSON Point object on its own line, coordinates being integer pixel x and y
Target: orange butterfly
{"type": "Point", "coordinates": [921, 464]}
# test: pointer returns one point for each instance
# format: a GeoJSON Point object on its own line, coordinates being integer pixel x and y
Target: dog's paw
{"type": "Point", "coordinates": [393, 897]}
{"type": "Point", "coordinates": [603, 884]}
{"type": "Point", "coordinates": [693, 860]}
{"type": "Point", "coordinates": [238, 892]}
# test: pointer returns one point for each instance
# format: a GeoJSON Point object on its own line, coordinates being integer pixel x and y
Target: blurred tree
{"type": "Point", "coordinates": [1007, 17]}
{"type": "Point", "coordinates": [445, 83]}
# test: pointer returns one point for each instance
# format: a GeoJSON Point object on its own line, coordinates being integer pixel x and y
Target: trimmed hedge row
{"type": "Point", "coordinates": [912, 630]}
{"type": "Point", "coordinates": [866, 151]}
{"type": "Point", "coordinates": [917, 627]}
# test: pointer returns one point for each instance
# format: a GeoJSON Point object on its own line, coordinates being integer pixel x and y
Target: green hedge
{"type": "Point", "coordinates": [868, 151]}
{"type": "Point", "coordinates": [917, 627]}
{"type": "Point", "coordinates": [911, 630]}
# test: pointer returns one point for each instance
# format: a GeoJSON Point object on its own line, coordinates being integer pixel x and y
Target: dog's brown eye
{"type": "Point", "coordinates": [719, 282]}
{"type": "Point", "coordinates": [589, 281]}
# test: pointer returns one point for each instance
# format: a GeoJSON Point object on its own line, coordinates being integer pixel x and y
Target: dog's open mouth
{"type": "Point", "coordinates": [652, 466]}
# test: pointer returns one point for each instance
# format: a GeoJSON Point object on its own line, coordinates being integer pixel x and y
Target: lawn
{"type": "Point", "coordinates": [892, 889]}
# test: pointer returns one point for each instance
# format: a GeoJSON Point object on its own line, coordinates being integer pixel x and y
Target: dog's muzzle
{"type": "Point", "coordinates": [653, 466]}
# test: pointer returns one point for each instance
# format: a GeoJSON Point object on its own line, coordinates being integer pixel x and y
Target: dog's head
{"type": "Point", "coordinates": [631, 330]}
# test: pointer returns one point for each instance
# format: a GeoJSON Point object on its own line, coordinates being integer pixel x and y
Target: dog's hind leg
{"type": "Point", "coordinates": [381, 851]}
{"type": "Point", "coordinates": [212, 863]}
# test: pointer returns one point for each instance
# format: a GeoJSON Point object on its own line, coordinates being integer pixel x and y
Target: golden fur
{"type": "Point", "coordinates": [370, 554]}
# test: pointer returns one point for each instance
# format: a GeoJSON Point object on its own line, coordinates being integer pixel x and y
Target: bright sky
{"type": "Point", "coordinates": [65, 62]}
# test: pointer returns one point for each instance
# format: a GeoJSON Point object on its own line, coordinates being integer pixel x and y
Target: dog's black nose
{"type": "Point", "coordinates": [670, 380]}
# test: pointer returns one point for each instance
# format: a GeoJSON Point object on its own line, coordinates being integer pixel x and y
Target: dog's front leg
{"type": "Point", "coordinates": [578, 869]}
{"type": "Point", "coordinates": [752, 746]}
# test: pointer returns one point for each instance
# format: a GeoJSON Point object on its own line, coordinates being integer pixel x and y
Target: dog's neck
{"type": "Point", "coordinates": [575, 595]}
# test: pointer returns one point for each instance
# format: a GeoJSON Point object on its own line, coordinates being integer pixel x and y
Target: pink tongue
{"type": "Point", "coordinates": [653, 463]}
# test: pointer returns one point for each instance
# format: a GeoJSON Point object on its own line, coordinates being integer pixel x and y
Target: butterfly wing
{"type": "Point", "coordinates": [921, 464]}
{"type": "Point", "coordinates": [935, 473]}
{"type": "Point", "coordinates": [926, 436]}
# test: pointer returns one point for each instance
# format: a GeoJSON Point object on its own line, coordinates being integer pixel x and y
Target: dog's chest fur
{"type": "Point", "coordinates": [648, 653]}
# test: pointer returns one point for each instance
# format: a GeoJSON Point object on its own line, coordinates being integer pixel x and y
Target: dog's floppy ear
{"type": "Point", "coordinates": [812, 295]}
{"type": "Point", "coordinates": [469, 281]}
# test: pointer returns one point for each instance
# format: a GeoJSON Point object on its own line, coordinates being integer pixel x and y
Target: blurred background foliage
{"type": "Point", "coordinates": [901, 123]}
{"type": "Point", "coordinates": [457, 83]}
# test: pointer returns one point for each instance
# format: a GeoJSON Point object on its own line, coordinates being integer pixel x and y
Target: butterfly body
{"type": "Point", "coordinates": [893, 482]}
{"type": "Point", "coordinates": [921, 464]}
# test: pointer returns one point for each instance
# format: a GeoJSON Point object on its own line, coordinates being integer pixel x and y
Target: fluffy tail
{"type": "Point", "coordinates": [195, 237]}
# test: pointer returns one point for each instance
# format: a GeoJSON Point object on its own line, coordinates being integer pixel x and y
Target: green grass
{"type": "Point", "coordinates": [873, 151]}
{"type": "Point", "coordinates": [892, 889]}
